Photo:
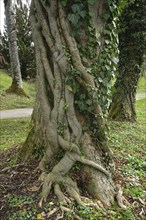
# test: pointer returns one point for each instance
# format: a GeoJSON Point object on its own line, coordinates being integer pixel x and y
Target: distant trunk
{"type": "Point", "coordinates": [16, 86]}
{"type": "Point", "coordinates": [131, 46]}
{"type": "Point", "coordinates": [123, 101]}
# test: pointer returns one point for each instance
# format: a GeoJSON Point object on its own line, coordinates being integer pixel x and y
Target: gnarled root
{"type": "Point", "coordinates": [120, 198]}
{"type": "Point", "coordinates": [58, 178]}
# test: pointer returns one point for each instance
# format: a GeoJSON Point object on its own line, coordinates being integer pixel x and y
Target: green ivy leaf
{"type": "Point", "coordinates": [77, 8]}
{"type": "Point", "coordinates": [74, 18]}
{"type": "Point", "coordinates": [69, 88]}
{"type": "Point", "coordinates": [83, 14]}
{"type": "Point", "coordinates": [89, 101]}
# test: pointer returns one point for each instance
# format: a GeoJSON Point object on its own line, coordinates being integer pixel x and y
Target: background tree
{"type": "Point", "coordinates": [132, 44]}
{"type": "Point", "coordinates": [25, 44]}
{"type": "Point", "coordinates": [16, 86]}
{"type": "Point", "coordinates": [3, 62]}
{"type": "Point", "coordinates": [24, 41]}
{"type": "Point", "coordinates": [67, 124]}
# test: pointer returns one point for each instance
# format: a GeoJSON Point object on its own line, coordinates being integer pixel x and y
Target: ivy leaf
{"type": "Point", "coordinates": [106, 16]}
{"type": "Point", "coordinates": [107, 41]}
{"type": "Point", "coordinates": [63, 2]}
{"type": "Point", "coordinates": [115, 60]}
{"type": "Point", "coordinates": [114, 24]}
{"type": "Point", "coordinates": [107, 67]}
{"type": "Point", "coordinates": [100, 79]}
{"type": "Point", "coordinates": [69, 88]}
{"type": "Point", "coordinates": [83, 14]}
{"type": "Point", "coordinates": [105, 81]}
{"type": "Point", "coordinates": [89, 101]}
{"type": "Point", "coordinates": [76, 8]}
{"type": "Point", "coordinates": [73, 18]}
{"type": "Point", "coordinates": [91, 2]}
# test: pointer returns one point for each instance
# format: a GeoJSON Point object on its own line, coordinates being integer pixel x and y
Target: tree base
{"type": "Point", "coordinates": [122, 109]}
{"type": "Point", "coordinates": [16, 90]}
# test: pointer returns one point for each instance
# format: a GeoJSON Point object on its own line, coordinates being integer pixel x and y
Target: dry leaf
{"type": "Point", "coordinates": [34, 188]}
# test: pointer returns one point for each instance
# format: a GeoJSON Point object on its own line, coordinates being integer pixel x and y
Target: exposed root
{"type": "Point", "coordinates": [120, 198]}
{"type": "Point", "coordinates": [52, 212]}
{"type": "Point", "coordinates": [57, 178]}
{"type": "Point", "coordinates": [60, 216]}
{"type": "Point", "coordinates": [94, 165]}
{"type": "Point", "coordinates": [66, 145]}
{"type": "Point", "coordinates": [61, 197]}
{"type": "Point", "coordinates": [97, 204]}
{"type": "Point", "coordinates": [71, 188]}
{"type": "Point", "coordinates": [75, 195]}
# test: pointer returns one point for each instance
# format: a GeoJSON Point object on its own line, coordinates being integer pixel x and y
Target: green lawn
{"type": "Point", "coordinates": [13, 132]}
{"type": "Point", "coordinates": [11, 101]}
{"type": "Point", "coordinates": [141, 85]}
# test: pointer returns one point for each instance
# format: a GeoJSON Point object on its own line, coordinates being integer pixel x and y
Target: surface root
{"type": "Point", "coordinates": [120, 198]}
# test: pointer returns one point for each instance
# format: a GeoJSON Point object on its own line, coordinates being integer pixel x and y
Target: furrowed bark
{"type": "Point", "coordinates": [56, 124]}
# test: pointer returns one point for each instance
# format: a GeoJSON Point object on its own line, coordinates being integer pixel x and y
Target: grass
{"type": "Point", "coordinates": [141, 110]}
{"type": "Point", "coordinates": [127, 141]}
{"type": "Point", "coordinates": [11, 101]}
{"type": "Point", "coordinates": [141, 85]}
{"type": "Point", "coordinates": [13, 132]}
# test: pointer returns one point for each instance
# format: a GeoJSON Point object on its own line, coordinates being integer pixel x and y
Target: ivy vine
{"type": "Point", "coordinates": [102, 66]}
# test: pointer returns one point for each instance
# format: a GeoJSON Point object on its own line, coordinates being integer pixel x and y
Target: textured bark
{"type": "Point", "coordinates": [123, 101]}
{"type": "Point", "coordinates": [16, 86]}
{"type": "Point", "coordinates": [57, 125]}
{"type": "Point", "coordinates": [131, 46]}
{"type": "Point", "coordinates": [123, 106]}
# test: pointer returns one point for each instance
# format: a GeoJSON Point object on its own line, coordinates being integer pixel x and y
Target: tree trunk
{"type": "Point", "coordinates": [123, 101]}
{"type": "Point", "coordinates": [66, 134]}
{"type": "Point", "coordinates": [16, 86]}
{"type": "Point", "coordinates": [131, 46]}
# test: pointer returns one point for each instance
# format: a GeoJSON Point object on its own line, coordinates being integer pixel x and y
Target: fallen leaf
{"type": "Point", "coordinates": [34, 188]}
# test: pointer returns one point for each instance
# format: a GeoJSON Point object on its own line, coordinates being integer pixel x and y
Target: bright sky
{"type": "Point", "coordinates": [2, 13]}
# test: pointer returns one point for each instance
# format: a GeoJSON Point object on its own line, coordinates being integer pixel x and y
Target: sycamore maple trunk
{"type": "Point", "coordinates": [57, 124]}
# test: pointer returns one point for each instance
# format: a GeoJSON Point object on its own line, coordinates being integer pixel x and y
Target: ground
{"type": "Point", "coordinates": [12, 101]}
{"type": "Point", "coordinates": [20, 192]}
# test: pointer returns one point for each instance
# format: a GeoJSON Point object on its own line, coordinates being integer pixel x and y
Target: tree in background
{"type": "Point", "coordinates": [72, 43]}
{"type": "Point", "coordinates": [16, 86]}
{"type": "Point", "coordinates": [3, 62]}
{"type": "Point", "coordinates": [132, 44]}
{"type": "Point", "coordinates": [25, 44]}
{"type": "Point", "coordinates": [24, 41]}
{"type": "Point", "coordinates": [4, 50]}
